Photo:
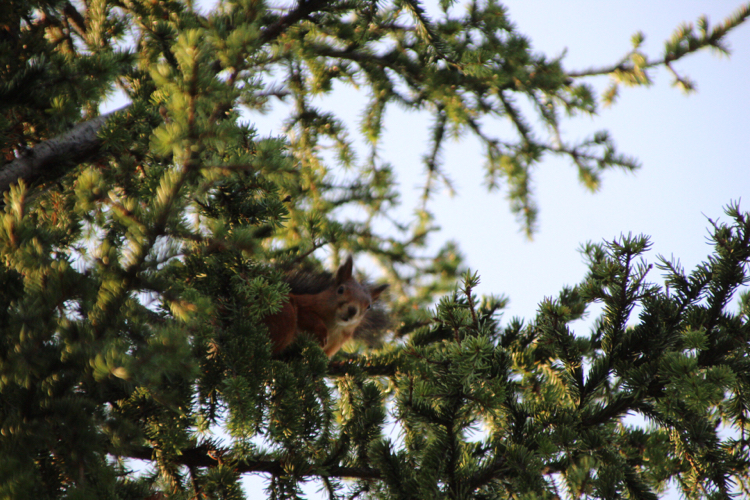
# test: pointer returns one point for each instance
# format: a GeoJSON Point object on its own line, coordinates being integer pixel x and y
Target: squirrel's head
{"type": "Point", "coordinates": [353, 299]}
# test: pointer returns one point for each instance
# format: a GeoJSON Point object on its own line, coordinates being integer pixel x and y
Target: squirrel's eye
{"type": "Point", "coordinates": [341, 289]}
{"type": "Point", "coordinates": [369, 306]}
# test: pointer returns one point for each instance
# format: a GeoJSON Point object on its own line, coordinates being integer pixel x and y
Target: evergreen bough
{"type": "Point", "coordinates": [140, 253]}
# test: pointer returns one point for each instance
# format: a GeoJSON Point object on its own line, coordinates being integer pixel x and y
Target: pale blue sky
{"type": "Point", "coordinates": [694, 152]}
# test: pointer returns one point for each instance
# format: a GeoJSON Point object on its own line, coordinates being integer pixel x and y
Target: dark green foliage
{"type": "Point", "coordinates": [134, 282]}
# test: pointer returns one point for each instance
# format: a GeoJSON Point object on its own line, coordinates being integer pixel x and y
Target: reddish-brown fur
{"type": "Point", "coordinates": [331, 316]}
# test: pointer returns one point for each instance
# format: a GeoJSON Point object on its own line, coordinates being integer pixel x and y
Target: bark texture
{"type": "Point", "coordinates": [79, 144]}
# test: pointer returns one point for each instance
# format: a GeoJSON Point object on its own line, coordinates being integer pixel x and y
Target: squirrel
{"type": "Point", "coordinates": [330, 307]}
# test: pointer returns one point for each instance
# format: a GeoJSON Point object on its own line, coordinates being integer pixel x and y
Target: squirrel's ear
{"type": "Point", "coordinates": [344, 272]}
{"type": "Point", "coordinates": [375, 291]}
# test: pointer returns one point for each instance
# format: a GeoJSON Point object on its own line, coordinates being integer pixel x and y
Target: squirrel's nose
{"type": "Point", "coordinates": [352, 311]}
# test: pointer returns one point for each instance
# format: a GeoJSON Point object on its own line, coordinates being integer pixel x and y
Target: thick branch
{"type": "Point", "coordinates": [82, 142]}
{"type": "Point", "coordinates": [203, 457]}
{"type": "Point", "coordinates": [304, 9]}
{"type": "Point", "coordinates": [77, 145]}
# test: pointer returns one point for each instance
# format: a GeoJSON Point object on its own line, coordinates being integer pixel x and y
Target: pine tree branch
{"type": "Point", "coordinates": [675, 51]}
{"type": "Point", "coordinates": [500, 464]}
{"type": "Point", "coordinates": [203, 456]}
{"type": "Point", "coordinates": [342, 368]}
{"type": "Point", "coordinates": [304, 9]}
{"type": "Point", "coordinates": [621, 65]}
{"type": "Point", "coordinates": [81, 143]}
{"type": "Point", "coordinates": [75, 146]}
{"type": "Point", "coordinates": [75, 18]}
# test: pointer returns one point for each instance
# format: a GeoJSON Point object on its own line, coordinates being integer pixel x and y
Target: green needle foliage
{"type": "Point", "coordinates": [140, 254]}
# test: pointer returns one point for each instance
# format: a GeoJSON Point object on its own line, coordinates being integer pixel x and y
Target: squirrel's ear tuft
{"type": "Point", "coordinates": [344, 272]}
{"type": "Point", "coordinates": [375, 291]}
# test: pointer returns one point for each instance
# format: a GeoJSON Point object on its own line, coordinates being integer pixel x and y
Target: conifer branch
{"type": "Point", "coordinates": [79, 144]}
{"type": "Point", "coordinates": [432, 161]}
{"type": "Point", "coordinates": [351, 367]}
{"type": "Point", "coordinates": [489, 473]}
{"type": "Point", "coordinates": [622, 65]}
{"type": "Point", "coordinates": [158, 337]}
{"type": "Point", "coordinates": [75, 17]}
{"type": "Point", "coordinates": [304, 8]}
{"type": "Point", "coordinates": [683, 43]}
{"type": "Point", "coordinates": [203, 456]}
